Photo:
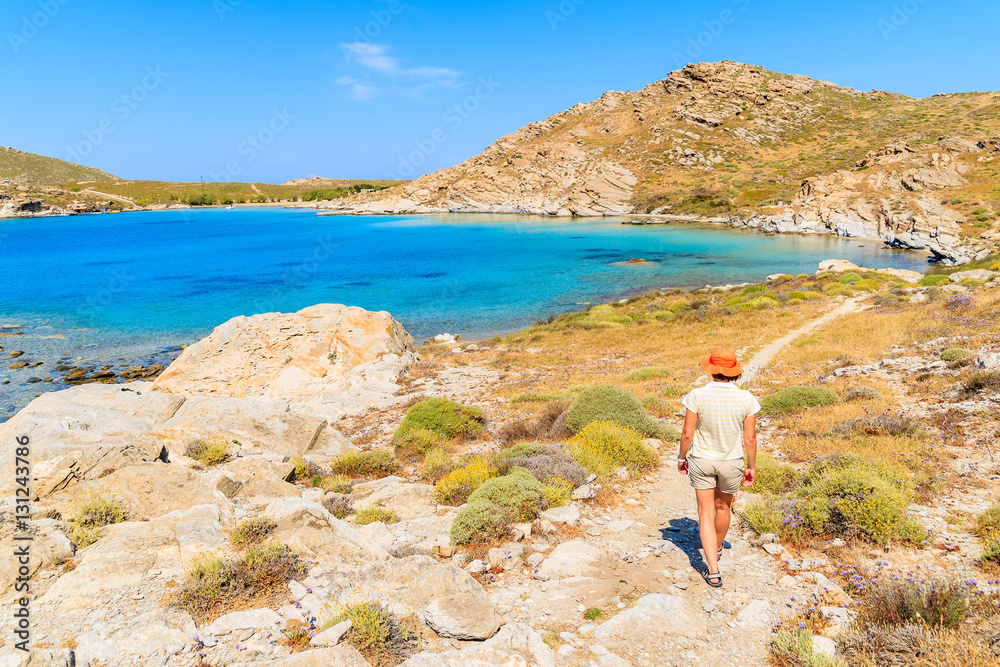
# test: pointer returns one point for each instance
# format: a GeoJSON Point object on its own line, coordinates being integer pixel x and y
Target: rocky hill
{"type": "Point", "coordinates": [738, 141]}
{"type": "Point", "coordinates": [22, 168]}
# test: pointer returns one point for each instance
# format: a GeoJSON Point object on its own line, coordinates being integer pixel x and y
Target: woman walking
{"type": "Point", "coordinates": [720, 427]}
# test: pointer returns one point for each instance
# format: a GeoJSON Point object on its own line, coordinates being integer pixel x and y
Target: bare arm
{"type": "Point", "coordinates": [750, 447]}
{"type": "Point", "coordinates": [687, 437]}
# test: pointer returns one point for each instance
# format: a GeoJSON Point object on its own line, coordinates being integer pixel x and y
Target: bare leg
{"type": "Point", "coordinates": [706, 526]}
{"type": "Point", "coordinates": [723, 503]}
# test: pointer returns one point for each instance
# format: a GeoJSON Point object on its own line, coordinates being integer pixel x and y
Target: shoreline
{"type": "Point", "coordinates": [667, 219]}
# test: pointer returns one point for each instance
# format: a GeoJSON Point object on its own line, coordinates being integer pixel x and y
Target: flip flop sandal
{"type": "Point", "coordinates": [708, 576]}
{"type": "Point", "coordinates": [718, 556]}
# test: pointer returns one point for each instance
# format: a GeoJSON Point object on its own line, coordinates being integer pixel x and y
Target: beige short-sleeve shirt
{"type": "Point", "coordinates": [721, 408]}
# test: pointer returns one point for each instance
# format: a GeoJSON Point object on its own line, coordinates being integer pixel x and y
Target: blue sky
{"type": "Point", "coordinates": [260, 90]}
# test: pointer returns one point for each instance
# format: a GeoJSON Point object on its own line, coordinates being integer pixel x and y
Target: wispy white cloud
{"type": "Point", "coordinates": [362, 92]}
{"type": "Point", "coordinates": [381, 71]}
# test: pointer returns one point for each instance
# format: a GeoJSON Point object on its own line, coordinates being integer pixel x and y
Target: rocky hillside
{"type": "Point", "coordinates": [734, 140]}
{"type": "Point", "coordinates": [21, 168]}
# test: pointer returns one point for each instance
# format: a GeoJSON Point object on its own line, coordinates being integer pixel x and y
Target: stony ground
{"type": "Point", "coordinates": [629, 557]}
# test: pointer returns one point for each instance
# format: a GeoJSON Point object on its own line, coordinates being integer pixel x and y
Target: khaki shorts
{"type": "Point", "coordinates": [726, 476]}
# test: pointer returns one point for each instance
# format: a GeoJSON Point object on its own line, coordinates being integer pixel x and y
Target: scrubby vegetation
{"type": "Point", "coordinates": [647, 373]}
{"type": "Point", "coordinates": [375, 463]}
{"type": "Point", "coordinates": [339, 505]}
{"type": "Point", "coordinates": [614, 404]}
{"type": "Point", "coordinates": [547, 463]}
{"type": "Point", "coordinates": [603, 446]}
{"type": "Point", "coordinates": [518, 494]}
{"type": "Point", "coordinates": [791, 399]}
{"type": "Point", "coordinates": [480, 522]}
{"type": "Point", "coordinates": [844, 496]}
{"type": "Point", "coordinates": [375, 513]}
{"type": "Point", "coordinates": [379, 636]}
{"type": "Point", "coordinates": [216, 585]}
{"type": "Point", "coordinates": [446, 418]}
{"type": "Point", "coordinates": [862, 393]}
{"type": "Point", "coordinates": [209, 452]}
{"type": "Point", "coordinates": [93, 512]}
{"type": "Point", "coordinates": [773, 476]}
{"type": "Point", "coordinates": [456, 487]}
{"type": "Point", "coordinates": [251, 531]}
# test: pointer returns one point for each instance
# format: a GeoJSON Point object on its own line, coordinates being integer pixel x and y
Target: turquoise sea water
{"type": "Point", "coordinates": [129, 287]}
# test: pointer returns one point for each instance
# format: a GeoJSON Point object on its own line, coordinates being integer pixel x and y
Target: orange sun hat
{"type": "Point", "coordinates": [722, 361]}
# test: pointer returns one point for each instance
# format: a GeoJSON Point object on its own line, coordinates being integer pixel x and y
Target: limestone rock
{"type": "Point", "coordinates": [81, 432]}
{"type": "Point", "coordinates": [332, 636]}
{"type": "Point", "coordinates": [407, 499]}
{"type": "Point", "coordinates": [257, 425]}
{"type": "Point", "coordinates": [462, 616]}
{"type": "Point", "coordinates": [653, 613]}
{"type": "Point", "coordinates": [147, 490]}
{"type": "Point", "coordinates": [343, 655]}
{"type": "Point", "coordinates": [575, 558]}
{"type": "Point", "coordinates": [327, 360]}
{"type": "Point", "coordinates": [252, 619]}
{"type": "Point", "coordinates": [516, 645]}
{"type": "Point", "coordinates": [982, 275]}
{"type": "Point", "coordinates": [838, 265]}
{"type": "Point", "coordinates": [568, 514]}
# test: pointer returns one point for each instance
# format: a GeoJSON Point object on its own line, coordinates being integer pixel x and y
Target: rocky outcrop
{"type": "Point", "coordinates": [326, 360]}
{"type": "Point", "coordinates": [890, 195]}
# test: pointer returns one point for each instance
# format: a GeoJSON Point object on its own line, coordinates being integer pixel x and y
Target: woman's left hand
{"type": "Point", "coordinates": [682, 467]}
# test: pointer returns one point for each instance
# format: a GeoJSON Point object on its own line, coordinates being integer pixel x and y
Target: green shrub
{"type": "Point", "coordinates": [456, 487]}
{"type": "Point", "coordinates": [773, 476]}
{"type": "Point", "coordinates": [608, 403]}
{"type": "Point", "coordinates": [679, 306]}
{"type": "Point", "coordinates": [647, 373]}
{"type": "Point", "coordinates": [865, 498]}
{"type": "Point", "coordinates": [867, 285]}
{"type": "Point", "coordinates": [603, 446]}
{"type": "Point", "coordinates": [753, 289]}
{"type": "Point", "coordinates": [592, 613]}
{"type": "Point", "coordinates": [369, 463]}
{"type": "Point", "coordinates": [444, 417]}
{"type": "Point", "coordinates": [837, 289]}
{"type": "Point", "coordinates": [251, 531]}
{"type": "Point", "coordinates": [520, 494]}
{"type": "Point", "coordinates": [763, 514]}
{"type": "Point", "coordinates": [934, 280]}
{"type": "Point", "coordinates": [305, 469]}
{"type": "Point", "coordinates": [795, 398]}
{"type": "Point", "coordinates": [804, 295]}
{"type": "Point", "coordinates": [558, 492]}
{"type": "Point", "coordinates": [93, 512]}
{"type": "Point", "coordinates": [794, 647]}
{"type": "Point", "coordinates": [209, 452]}
{"type": "Point", "coordinates": [759, 302]}
{"type": "Point", "coordinates": [335, 484]}
{"type": "Point", "coordinates": [482, 522]}
{"type": "Point", "coordinates": [215, 586]}
{"type": "Point", "coordinates": [373, 514]}
{"type": "Point", "coordinates": [378, 635]}
{"type": "Point", "coordinates": [437, 463]}
{"type": "Point", "coordinates": [849, 278]}
{"type": "Point", "coordinates": [862, 393]}
{"type": "Point", "coordinates": [954, 354]}
{"type": "Point", "coordinates": [416, 443]}
{"type": "Point", "coordinates": [540, 397]}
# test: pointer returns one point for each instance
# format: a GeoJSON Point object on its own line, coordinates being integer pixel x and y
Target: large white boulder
{"type": "Point", "coordinates": [328, 360]}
